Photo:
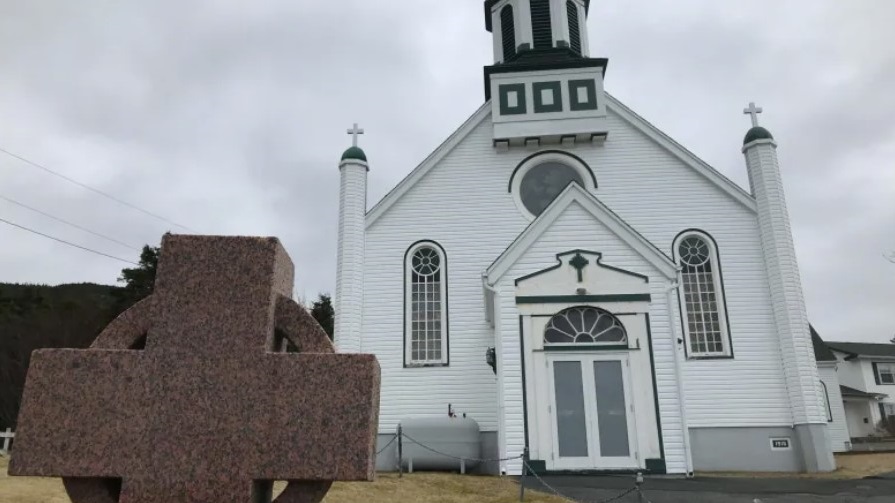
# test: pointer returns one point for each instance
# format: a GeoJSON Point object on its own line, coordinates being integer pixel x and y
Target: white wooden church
{"type": "Point", "coordinates": [582, 286]}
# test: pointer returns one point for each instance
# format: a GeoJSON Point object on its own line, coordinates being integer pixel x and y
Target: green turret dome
{"type": "Point", "coordinates": [354, 154]}
{"type": "Point", "coordinates": [757, 133]}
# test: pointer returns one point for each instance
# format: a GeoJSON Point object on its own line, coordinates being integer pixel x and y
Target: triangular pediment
{"type": "Point", "coordinates": [574, 194]}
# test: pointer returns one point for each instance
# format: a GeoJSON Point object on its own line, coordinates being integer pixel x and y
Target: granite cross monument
{"type": "Point", "coordinates": [185, 398]}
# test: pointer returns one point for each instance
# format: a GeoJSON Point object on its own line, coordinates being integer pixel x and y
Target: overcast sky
{"type": "Point", "coordinates": [229, 117]}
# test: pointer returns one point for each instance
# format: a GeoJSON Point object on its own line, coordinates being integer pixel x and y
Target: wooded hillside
{"type": "Point", "coordinates": [36, 316]}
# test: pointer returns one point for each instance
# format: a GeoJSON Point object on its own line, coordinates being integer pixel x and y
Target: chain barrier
{"type": "Point", "coordinates": [390, 442]}
{"type": "Point", "coordinates": [426, 447]}
{"type": "Point", "coordinates": [635, 489]}
{"type": "Point", "coordinates": [526, 471]}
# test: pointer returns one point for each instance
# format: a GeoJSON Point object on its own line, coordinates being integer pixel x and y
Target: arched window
{"type": "Point", "coordinates": [508, 32]}
{"type": "Point", "coordinates": [585, 325]}
{"type": "Point", "coordinates": [541, 29]}
{"type": "Point", "coordinates": [574, 27]}
{"type": "Point", "coordinates": [426, 327]}
{"type": "Point", "coordinates": [703, 308]}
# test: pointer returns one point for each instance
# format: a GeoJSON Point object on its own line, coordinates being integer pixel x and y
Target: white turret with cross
{"type": "Point", "coordinates": [790, 315]}
{"type": "Point", "coordinates": [349, 298]}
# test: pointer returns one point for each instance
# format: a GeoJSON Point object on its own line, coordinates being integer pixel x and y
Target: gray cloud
{"type": "Point", "coordinates": [229, 117]}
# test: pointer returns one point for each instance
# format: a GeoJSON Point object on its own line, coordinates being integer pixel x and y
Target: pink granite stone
{"type": "Point", "coordinates": [210, 410]}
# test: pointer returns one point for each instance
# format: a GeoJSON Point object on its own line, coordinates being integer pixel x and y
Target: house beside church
{"type": "Point", "coordinates": [591, 293]}
{"type": "Point", "coordinates": [866, 372]}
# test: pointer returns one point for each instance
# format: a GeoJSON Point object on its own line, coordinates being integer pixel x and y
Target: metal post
{"type": "Point", "coordinates": [524, 471]}
{"type": "Point", "coordinates": [638, 481]}
{"type": "Point", "coordinates": [400, 452]}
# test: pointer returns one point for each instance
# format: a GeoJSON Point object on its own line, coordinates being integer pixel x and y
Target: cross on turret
{"type": "Point", "coordinates": [355, 132]}
{"type": "Point", "coordinates": [753, 111]}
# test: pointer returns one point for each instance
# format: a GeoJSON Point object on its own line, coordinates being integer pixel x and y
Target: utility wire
{"type": "Point", "coordinates": [70, 224]}
{"type": "Point", "coordinates": [32, 231]}
{"type": "Point", "coordinates": [92, 189]}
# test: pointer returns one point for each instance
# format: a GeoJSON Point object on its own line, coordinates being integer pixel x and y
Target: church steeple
{"type": "Point", "coordinates": [551, 26]}
{"type": "Point", "coordinates": [544, 86]}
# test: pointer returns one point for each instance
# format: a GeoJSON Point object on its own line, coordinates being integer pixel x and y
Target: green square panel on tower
{"type": "Point", "coordinates": [583, 95]}
{"type": "Point", "coordinates": [547, 96]}
{"type": "Point", "coordinates": [512, 99]}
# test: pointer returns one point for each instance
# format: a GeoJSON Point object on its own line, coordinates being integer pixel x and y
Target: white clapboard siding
{"type": "Point", "coordinates": [838, 428]}
{"type": "Point", "coordinates": [463, 203]}
{"type": "Point", "coordinates": [577, 228]}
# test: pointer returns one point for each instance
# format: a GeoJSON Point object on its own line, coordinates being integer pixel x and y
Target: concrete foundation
{"type": "Point", "coordinates": [814, 440]}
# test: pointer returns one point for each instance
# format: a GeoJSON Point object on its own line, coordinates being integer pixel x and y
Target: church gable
{"type": "Point", "coordinates": [573, 216]}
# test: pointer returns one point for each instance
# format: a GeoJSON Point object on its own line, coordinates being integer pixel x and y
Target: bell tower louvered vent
{"type": "Point", "coordinates": [574, 27]}
{"type": "Point", "coordinates": [541, 24]}
{"type": "Point", "coordinates": [508, 32]}
{"type": "Point", "coordinates": [544, 87]}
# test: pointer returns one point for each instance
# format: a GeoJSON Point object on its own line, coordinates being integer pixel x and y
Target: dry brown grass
{"type": "Point", "coordinates": [418, 487]}
{"type": "Point", "coordinates": [850, 466]}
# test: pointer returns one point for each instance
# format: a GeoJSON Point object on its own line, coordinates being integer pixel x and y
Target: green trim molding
{"type": "Point", "coordinates": [590, 86]}
{"type": "Point", "coordinates": [656, 466]}
{"type": "Point", "coordinates": [583, 299]}
{"type": "Point", "coordinates": [588, 347]}
{"type": "Point", "coordinates": [521, 107]}
{"type": "Point", "coordinates": [555, 88]}
{"type": "Point", "coordinates": [652, 365]}
{"type": "Point", "coordinates": [573, 61]}
{"type": "Point", "coordinates": [598, 263]}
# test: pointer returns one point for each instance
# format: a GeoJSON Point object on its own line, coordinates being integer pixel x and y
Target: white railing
{"type": "Point", "coordinates": [7, 437]}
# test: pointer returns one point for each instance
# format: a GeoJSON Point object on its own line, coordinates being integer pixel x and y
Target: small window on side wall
{"type": "Point", "coordinates": [702, 303]}
{"type": "Point", "coordinates": [885, 373]}
{"type": "Point", "coordinates": [425, 306]}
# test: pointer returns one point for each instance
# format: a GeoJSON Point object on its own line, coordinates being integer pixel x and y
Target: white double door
{"type": "Point", "coordinates": [591, 413]}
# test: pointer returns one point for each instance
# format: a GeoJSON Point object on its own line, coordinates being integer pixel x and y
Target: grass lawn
{"type": "Point", "coordinates": [851, 466]}
{"type": "Point", "coordinates": [418, 487]}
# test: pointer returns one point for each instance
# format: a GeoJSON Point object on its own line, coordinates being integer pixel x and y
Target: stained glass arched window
{"type": "Point", "coordinates": [702, 296]}
{"type": "Point", "coordinates": [585, 325]}
{"type": "Point", "coordinates": [426, 305]}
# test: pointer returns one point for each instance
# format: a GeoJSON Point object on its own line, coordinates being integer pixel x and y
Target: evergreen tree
{"type": "Point", "coordinates": [322, 311]}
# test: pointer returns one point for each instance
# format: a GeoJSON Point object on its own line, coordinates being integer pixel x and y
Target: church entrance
{"type": "Point", "coordinates": [589, 393]}
{"type": "Point", "coordinates": [590, 406]}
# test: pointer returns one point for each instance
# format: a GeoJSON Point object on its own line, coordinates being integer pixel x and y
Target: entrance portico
{"type": "Point", "coordinates": [590, 398]}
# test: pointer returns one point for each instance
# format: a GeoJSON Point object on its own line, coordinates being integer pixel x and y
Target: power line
{"type": "Point", "coordinates": [92, 189]}
{"type": "Point", "coordinates": [32, 231]}
{"type": "Point", "coordinates": [66, 222]}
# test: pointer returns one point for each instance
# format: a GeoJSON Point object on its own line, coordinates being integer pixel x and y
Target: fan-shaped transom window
{"type": "Point", "coordinates": [702, 296]}
{"type": "Point", "coordinates": [426, 305]}
{"type": "Point", "coordinates": [585, 325]}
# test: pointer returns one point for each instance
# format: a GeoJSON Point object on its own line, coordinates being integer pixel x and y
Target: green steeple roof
{"type": "Point", "coordinates": [757, 133]}
{"type": "Point", "coordinates": [355, 154]}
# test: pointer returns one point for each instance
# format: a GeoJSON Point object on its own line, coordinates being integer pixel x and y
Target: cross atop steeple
{"type": "Point", "coordinates": [753, 111]}
{"type": "Point", "coordinates": [355, 132]}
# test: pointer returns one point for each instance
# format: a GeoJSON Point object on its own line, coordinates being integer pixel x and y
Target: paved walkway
{"type": "Point", "coordinates": [727, 490]}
